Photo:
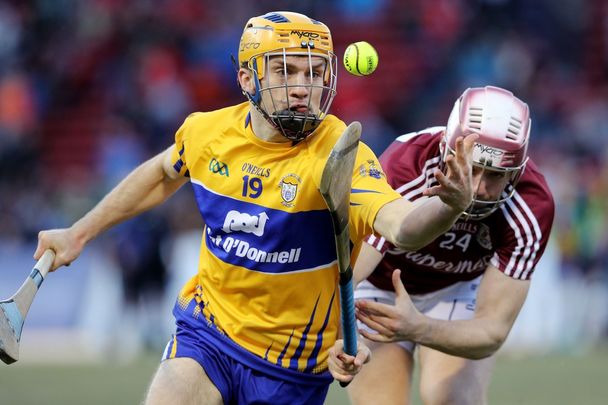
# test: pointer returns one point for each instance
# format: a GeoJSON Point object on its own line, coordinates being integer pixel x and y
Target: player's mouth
{"type": "Point", "coordinates": [300, 108]}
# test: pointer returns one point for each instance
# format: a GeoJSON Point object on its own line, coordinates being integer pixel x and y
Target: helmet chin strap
{"type": "Point", "coordinates": [295, 126]}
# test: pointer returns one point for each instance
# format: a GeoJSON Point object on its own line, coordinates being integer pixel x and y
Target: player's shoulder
{"type": "Point", "coordinates": [414, 148]}
{"type": "Point", "coordinates": [331, 128]}
{"type": "Point", "coordinates": [326, 135]}
{"type": "Point", "coordinates": [535, 191]}
{"type": "Point", "coordinates": [430, 135]}
{"type": "Point", "coordinates": [227, 116]}
{"type": "Point", "coordinates": [215, 121]}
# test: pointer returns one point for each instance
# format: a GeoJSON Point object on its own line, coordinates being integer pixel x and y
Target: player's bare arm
{"type": "Point", "coordinates": [367, 260]}
{"type": "Point", "coordinates": [476, 338]}
{"type": "Point", "coordinates": [147, 186]}
{"type": "Point", "coordinates": [411, 227]}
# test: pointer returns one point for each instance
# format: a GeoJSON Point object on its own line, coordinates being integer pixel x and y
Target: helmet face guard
{"type": "Point", "coordinates": [295, 125]}
{"type": "Point", "coordinates": [503, 123]}
{"type": "Point", "coordinates": [480, 209]}
{"type": "Point", "coordinates": [282, 35]}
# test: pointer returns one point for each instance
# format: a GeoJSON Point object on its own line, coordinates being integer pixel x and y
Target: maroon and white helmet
{"type": "Point", "coordinates": [502, 122]}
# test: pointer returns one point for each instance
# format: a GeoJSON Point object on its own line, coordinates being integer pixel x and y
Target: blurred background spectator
{"type": "Point", "coordinates": [90, 88]}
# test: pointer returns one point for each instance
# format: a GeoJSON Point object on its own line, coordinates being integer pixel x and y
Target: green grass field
{"type": "Point", "coordinates": [551, 380]}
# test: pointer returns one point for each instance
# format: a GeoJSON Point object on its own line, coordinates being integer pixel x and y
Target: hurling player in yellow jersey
{"type": "Point", "coordinates": [256, 323]}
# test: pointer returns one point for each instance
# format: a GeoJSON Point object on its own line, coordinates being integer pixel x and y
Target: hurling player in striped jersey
{"type": "Point", "coordinates": [455, 299]}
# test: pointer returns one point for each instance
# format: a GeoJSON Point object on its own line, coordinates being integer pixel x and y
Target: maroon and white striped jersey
{"type": "Point", "coordinates": [512, 239]}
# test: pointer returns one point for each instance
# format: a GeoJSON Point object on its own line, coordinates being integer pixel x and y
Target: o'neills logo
{"type": "Point", "coordinates": [463, 266]}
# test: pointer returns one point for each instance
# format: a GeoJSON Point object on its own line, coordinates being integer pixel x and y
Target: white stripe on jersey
{"type": "Point", "coordinates": [427, 165]}
{"type": "Point", "coordinates": [416, 193]}
{"type": "Point", "coordinates": [522, 223]}
{"type": "Point", "coordinates": [407, 137]}
{"type": "Point", "coordinates": [518, 237]}
{"type": "Point", "coordinates": [537, 232]}
{"type": "Point", "coordinates": [495, 260]}
{"type": "Point", "coordinates": [376, 242]}
{"type": "Point", "coordinates": [532, 244]}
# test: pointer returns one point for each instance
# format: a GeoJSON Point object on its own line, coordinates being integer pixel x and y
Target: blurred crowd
{"type": "Point", "coordinates": [90, 88]}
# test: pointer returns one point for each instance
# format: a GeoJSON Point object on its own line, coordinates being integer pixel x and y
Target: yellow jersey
{"type": "Point", "coordinates": [267, 275]}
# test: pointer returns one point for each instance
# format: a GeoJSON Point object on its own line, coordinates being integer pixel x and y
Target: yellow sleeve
{"type": "Point", "coordinates": [178, 157]}
{"type": "Point", "coordinates": [370, 192]}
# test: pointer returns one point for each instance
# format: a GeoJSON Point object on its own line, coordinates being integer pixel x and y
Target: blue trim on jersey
{"type": "Point", "coordinates": [178, 166]}
{"type": "Point", "coordinates": [264, 239]}
{"type": "Point", "coordinates": [180, 163]}
{"type": "Point", "coordinates": [247, 119]}
{"type": "Point", "coordinates": [293, 363]}
{"type": "Point", "coordinates": [282, 354]}
{"type": "Point", "coordinates": [229, 347]}
{"type": "Point", "coordinates": [268, 351]}
{"type": "Point", "coordinates": [312, 359]}
{"type": "Point", "coordinates": [358, 191]}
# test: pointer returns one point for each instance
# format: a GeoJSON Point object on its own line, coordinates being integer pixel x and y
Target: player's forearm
{"type": "Point", "coordinates": [366, 262]}
{"type": "Point", "coordinates": [473, 339]}
{"type": "Point", "coordinates": [424, 223]}
{"type": "Point", "coordinates": [144, 188]}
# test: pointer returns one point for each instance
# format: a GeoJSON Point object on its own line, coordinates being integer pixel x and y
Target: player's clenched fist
{"type": "Point", "coordinates": [344, 367]}
{"type": "Point", "coordinates": [63, 242]}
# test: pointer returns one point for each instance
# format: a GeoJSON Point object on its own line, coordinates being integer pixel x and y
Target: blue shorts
{"type": "Point", "coordinates": [242, 377]}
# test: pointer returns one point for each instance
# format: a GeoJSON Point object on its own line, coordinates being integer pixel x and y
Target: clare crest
{"type": "Point", "coordinates": [289, 189]}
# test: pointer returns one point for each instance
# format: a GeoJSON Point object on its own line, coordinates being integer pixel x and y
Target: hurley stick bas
{"type": "Point", "coordinates": [14, 309]}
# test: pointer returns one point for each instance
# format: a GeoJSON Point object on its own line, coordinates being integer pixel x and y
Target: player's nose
{"type": "Point", "coordinates": [300, 86]}
{"type": "Point", "coordinates": [479, 186]}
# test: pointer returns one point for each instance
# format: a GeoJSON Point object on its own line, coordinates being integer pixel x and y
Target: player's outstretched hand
{"type": "Point", "coordinates": [63, 242]}
{"type": "Point", "coordinates": [344, 367]}
{"type": "Point", "coordinates": [391, 323]}
{"type": "Point", "coordinates": [456, 186]}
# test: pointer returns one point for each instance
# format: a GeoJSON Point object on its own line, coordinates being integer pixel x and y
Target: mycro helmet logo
{"type": "Point", "coordinates": [305, 34]}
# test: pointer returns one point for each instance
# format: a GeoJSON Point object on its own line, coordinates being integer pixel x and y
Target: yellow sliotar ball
{"type": "Point", "coordinates": [360, 59]}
